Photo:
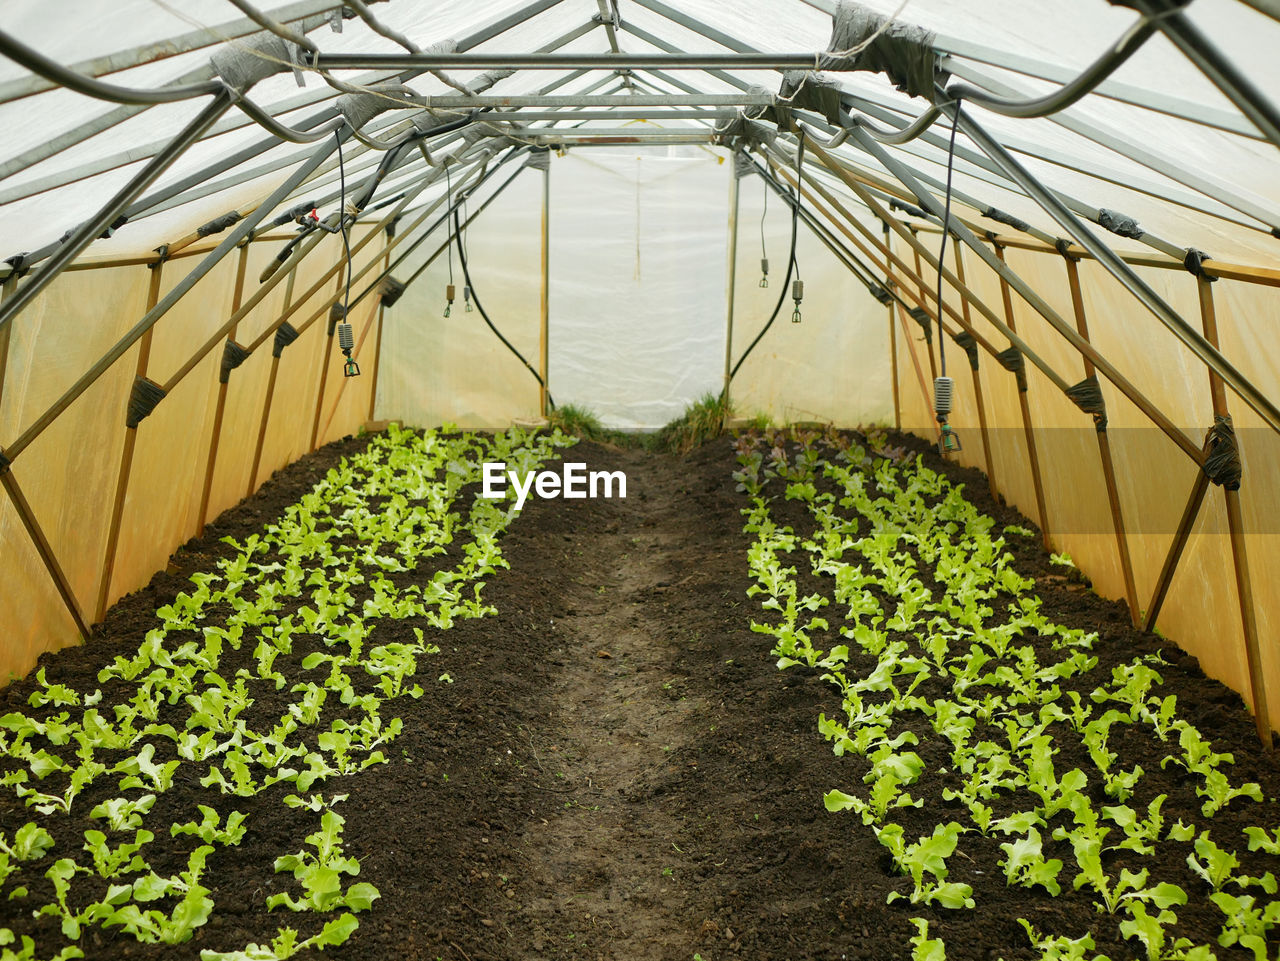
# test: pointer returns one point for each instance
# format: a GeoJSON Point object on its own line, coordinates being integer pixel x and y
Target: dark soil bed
{"type": "Point", "coordinates": [618, 770]}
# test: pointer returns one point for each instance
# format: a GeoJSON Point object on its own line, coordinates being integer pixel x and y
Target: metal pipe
{"type": "Point", "coordinates": [51, 70]}
{"type": "Point", "coordinates": [1201, 51]}
{"type": "Point", "coordinates": [91, 229]}
{"type": "Point", "coordinates": [565, 61]}
{"type": "Point", "coordinates": [313, 13]}
{"type": "Point", "coordinates": [1069, 93]}
{"type": "Point", "coordinates": [233, 239]}
{"type": "Point", "coordinates": [1183, 331]}
{"type": "Point", "coordinates": [454, 102]}
{"type": "Point", "coordinates": [1035, 300]}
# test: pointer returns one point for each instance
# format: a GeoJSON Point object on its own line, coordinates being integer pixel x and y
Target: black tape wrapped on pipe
{"type": "Point", "coordinates": [966, 342]}
{"type": "Point", "coordinates": [921, 317]}
{"type": "Point", "coordinates": [286, 334]}
{"type": "Point", "coordinates": [233, 355]}
{"type": "Point", "coordinates": [391, 290]}
{"type": "Point", "coordinates": [1222, 455]}
{"type": "Point", "coordinates": [1012, 360]}
{"type": "Point", "coordinates": [143, 399]}
{"type": "Point", "coordinates": [1087, 395]}
{"type": "Point", "coordinates": [904, 52]}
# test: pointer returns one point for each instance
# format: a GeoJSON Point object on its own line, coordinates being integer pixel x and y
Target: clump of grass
{"type": "Point", "coordinates": [578, 422]}
{"type": "Point", "coordinates": [703, 420]}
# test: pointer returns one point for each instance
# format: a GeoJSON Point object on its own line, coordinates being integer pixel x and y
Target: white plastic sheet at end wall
{"type": "Point", "coordinates": [638, 261]}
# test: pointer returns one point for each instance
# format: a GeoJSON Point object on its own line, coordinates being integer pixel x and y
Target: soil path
{"type": "Point", "coordinates": [608, 858]}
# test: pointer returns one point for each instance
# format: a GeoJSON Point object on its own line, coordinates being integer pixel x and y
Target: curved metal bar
{"type": "Point", "coordinates": [38, 63]}
{"type": "Point", "coordinates": [292, 134]}
{"type": "Point", "coordinates": [1069, 93]}
{"type": "Point", "coordinates": [894, 137]}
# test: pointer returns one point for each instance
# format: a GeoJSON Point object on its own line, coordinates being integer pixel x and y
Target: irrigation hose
{"type": "Point", "coordinates": [475, 298]}
{"type": "Point", "coordinates": [786, 283]}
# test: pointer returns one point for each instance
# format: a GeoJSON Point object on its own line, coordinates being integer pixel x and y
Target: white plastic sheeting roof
{"type": "Point", "coordinates": [1014, 32]}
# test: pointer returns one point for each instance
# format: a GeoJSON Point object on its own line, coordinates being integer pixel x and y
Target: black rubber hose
{"type": "Point", "coordinates": [466, 276]}
{"type": "Point", "coordinates": [786, 284]}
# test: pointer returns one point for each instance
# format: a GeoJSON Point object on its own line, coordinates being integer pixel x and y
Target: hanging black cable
{"type": "Point", "coordinates": [943, 386]}
{"type": "Point", "coordinates": [466, 276]}
{"type": "Point", "coordinates": [346, 337]}
{"type": "Point", "coordinates": [791, 266]}
{"type": "Point", "coordinates": [946, 232]}
{"type": "Point", "coordinates": [449, 290]}
{"type": "Point", "coordinates": [764, 250]}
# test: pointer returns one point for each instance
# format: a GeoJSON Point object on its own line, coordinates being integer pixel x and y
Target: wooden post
{"type": "Point", "coordinates": [977, 382]}
{"type": "Point", "coordinates": [220, 409]}
{"type": "Point", "coordinates": [325, 356]}
{"type": "Point", "coordinates": [893, 344]}
{"type": "Point", "coordinates": [266, 404]}
{"type": "Point", "coordinates": [377, 343]}
{"type": "Point", "coordinates": [126, 461]}
{"type": "Point", "coordinates": [734, 198]}
{"type": "Point", "coordinates": [1033, 455]}
{"type": "Point", "coordinates": [1189, 515]}
{"type": "Point", "coordinates": [1235, 526]}
{"type": "Point", "coordinates": [1104, 452]}
{"type": "Point", "coordinates": [6, 291]}
{"type": "Point", "coordinates": [925, 297]}
{"type": "Point", "coordinates": [10, 483]}
{"type": "Point", "coordinates": [544, 336]}
{"type": "Point", "coordinates": [43, 548]}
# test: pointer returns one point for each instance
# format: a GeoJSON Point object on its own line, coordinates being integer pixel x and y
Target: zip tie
{"type": "Point", "coordinates": [143, 399]}
{"type": "Point", "coordinates": [233, 355]}
{"type": "Point", "coordinates": [1222, 455]}
{"type": "Point", "coordinates": [286, 334]}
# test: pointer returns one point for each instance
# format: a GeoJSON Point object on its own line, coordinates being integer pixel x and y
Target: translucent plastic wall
{"type": "Point", "coordinates": [1154, 478]}
{"type": "Point", "coordinates": [638, 315]}
{"type": "Point", "coordinates": [71, 472]}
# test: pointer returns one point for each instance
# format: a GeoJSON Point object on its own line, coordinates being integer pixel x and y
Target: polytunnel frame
{"type": "Point", "coordinates": [1203, 343]}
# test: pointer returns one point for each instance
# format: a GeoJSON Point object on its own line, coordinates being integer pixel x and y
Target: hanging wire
{"type": "Point", "coordinates": [791, 263]}
{"type": "Point", "coordinates": [342, 221]}
{"type": "Point", "coordinates": [764, 250]}
{"type": "Point", "coordinates": [448, 194]}
{"type": "Point", "coordinates": [946, 231]}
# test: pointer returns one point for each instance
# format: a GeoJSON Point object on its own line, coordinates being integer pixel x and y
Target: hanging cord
{"type": "Point", "coordinates": [791, 264]}
{"type": "Point", "coordinates": [946, 232]}
{"type": "Point", "coordinates": [448, 193]}
{"type": "Point", "coordinates": [346, 338]}
{"type": "Point", "coordinates": [764, 250]}
{"type": "Point", "coordinates": [466, 276]}
{"type": "Point", "coordinates": [342, 221]}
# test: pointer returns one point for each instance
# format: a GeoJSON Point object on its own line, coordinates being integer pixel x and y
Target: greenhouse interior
{"type": "Point", "coordinates": [489, 480]}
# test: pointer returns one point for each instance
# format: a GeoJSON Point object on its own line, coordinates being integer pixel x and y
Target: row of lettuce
{"type": "Point", "coordinates": [387, 534]}
{"type": "Point", "coordinates": [906, 579]}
